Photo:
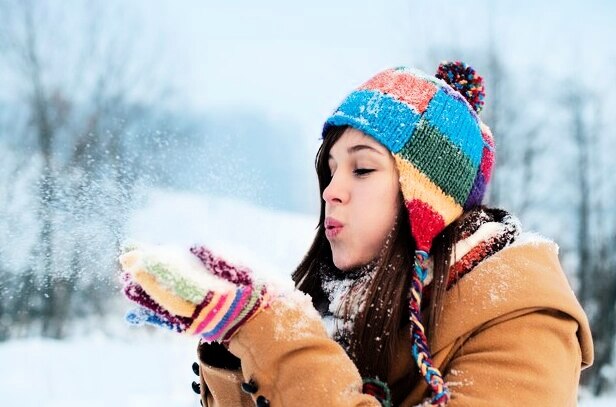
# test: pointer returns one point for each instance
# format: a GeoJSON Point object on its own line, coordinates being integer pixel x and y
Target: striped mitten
{"type": "Point", "coordinates": [190, 291]}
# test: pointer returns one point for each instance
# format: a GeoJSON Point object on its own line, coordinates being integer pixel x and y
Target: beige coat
{"type": "Point", "coordinates": [512, 334]}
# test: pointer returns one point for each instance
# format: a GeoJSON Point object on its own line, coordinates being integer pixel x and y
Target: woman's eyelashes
{"type": "Point", "coordinates": [359, 172]}
{"type": "Point", "coordinates": [362, 171]}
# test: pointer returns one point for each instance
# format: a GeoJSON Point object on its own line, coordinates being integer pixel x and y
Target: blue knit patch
{"type": "Point", "coordinates": [389, 121]}
{"type": "Point", "coordinates": [453, 119]}
{"type": "Point", "coordinates": [140, 316]}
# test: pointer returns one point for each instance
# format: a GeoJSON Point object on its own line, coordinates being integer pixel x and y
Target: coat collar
{"type": "Point", "coordinates": [482, 233]}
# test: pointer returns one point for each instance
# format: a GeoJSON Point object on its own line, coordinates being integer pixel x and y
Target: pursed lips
{"type": "Point", "coordinates": [332, 227]}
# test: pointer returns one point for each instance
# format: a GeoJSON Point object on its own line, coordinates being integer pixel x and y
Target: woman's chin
{"type": "Point", "coordinates": [342, 264]}
{"type": "Point", "coordinates": [346, 264]}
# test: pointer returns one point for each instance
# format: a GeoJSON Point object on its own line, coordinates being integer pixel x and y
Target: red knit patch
{"type": "Point", "coordinates": [486, 164]}
{"type": "Point", "coordinates": [404, 87]}
{"type": "Point", "coordinates": [467, 263]}
{"type": "Point", "coordinates": [487, 136]}
{"type": "Point", "coordinates": [426, 223]}
{"type": "Point", "coordinates": [373, 390]}
{"type": "Point", "coordinates": [487, 160]}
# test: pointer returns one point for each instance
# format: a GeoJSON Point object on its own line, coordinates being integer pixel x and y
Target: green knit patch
{"type": "Point", "coordinates": [174, 282]}
{"type": "Point", "coordinates": [441, 161]}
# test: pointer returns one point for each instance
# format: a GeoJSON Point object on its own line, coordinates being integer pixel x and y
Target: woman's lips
{"type": "Point", "coordinates": [332, 227]}
{"type": "Point", "coordinates": [332, 231]}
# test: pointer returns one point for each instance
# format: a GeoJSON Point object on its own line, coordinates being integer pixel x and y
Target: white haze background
{"type": "Point", "coordinates": [260, 77]}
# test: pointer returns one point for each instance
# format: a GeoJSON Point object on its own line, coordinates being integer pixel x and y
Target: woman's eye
{"type": "Point", "coordinates": [362, 171]}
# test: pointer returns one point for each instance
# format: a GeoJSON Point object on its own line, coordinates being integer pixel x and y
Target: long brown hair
{"type": "Point", "coordinates": [375, 336]}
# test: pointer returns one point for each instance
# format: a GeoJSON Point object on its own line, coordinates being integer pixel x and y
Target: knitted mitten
{"type": "Point", "coordinates": [190, 291]}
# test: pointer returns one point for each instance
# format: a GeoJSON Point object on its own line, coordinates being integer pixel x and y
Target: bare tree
{"type": "Point", "coordinates": [80, 95]}
{"type": "Point", "coordinates": [604, 321]}
{"type": "Point", "coordinates": [600, 278]}
{"type": "Point", "coordinates": [575, 102]}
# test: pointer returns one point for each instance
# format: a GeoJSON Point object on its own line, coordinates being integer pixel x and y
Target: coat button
{"type": "Point", "coordinates": [250, 387]}
{"type": "Point", "coordinates": [195, 368]}
{"type": "Point", "coordinates": [262, 401]}
{"type": "Point", "coordinates": [196, 387]}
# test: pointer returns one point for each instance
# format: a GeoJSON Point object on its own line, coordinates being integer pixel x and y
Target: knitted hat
{"type": "Point", "coordinates": [444, 155]}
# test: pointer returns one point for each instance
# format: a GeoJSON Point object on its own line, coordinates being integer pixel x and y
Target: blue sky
{"type": "Point", "coordinates": [290, 63]}
{"type": "Point", "coordinates": [296, 60]}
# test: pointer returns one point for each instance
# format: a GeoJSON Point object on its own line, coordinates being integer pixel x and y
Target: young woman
{"type": "Point", "coordinates": [423, 294]}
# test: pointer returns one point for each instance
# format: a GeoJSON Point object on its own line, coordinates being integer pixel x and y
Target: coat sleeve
{"type": "Point", "coordinates": [287, 354]}
{"type": "Point", "coordinates": [220, 377]}
{"type": "Point", "coordinates": [528, 358]}
{"type": "Point", "coordinates": [221, 387]}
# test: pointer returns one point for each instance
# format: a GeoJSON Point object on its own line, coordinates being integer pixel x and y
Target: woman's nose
{"type": "Point", "coordinates": [336, 191]}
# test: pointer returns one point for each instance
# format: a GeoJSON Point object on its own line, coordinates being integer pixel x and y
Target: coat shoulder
{"type": "Point", "coordinates": [525, 276]}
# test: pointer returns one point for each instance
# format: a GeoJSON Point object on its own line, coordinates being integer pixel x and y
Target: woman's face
{"type": "Point", "coordinates": [362, 196]}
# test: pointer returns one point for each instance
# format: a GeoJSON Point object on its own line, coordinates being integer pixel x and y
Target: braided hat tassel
{"type": "Point", "coordinates": [420, 350]}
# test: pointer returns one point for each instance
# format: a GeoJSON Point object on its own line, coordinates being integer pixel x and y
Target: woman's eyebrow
{"type": "Point", "coordinates": [359, 147]}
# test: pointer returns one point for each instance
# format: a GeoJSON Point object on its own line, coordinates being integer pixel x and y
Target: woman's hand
{"type": "Point", "coordinates": [190, 291]}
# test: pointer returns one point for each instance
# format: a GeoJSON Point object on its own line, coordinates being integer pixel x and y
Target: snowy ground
{"type": "Point", "coordinates": [99, 371]}
{"type": "Point", "coordinates": [116, 365]}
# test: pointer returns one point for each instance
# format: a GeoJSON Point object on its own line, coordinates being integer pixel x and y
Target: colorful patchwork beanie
{"type": "Point", "coordinates": [444, 154]}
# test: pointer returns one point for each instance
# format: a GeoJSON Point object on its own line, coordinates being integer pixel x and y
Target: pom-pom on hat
{"type": "Point", "coordinates": [444, 154]}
